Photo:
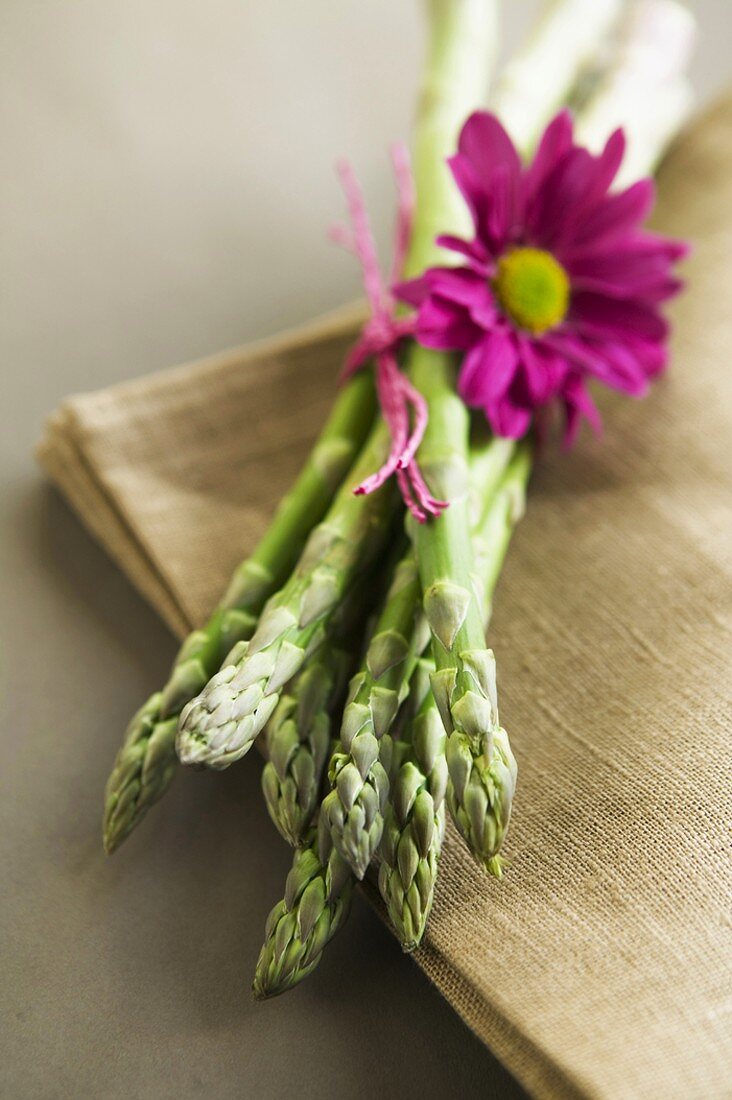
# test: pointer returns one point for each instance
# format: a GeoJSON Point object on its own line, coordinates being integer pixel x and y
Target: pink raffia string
{"type": "Point", "coordinates": [403, 407]}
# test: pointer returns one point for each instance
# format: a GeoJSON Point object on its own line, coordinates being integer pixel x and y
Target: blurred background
{"type": "Point", "coordinates": [167, 184]}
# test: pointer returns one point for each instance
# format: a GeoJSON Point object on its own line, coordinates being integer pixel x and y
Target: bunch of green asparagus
{"type": "Point", "coordinates": [351, 645]}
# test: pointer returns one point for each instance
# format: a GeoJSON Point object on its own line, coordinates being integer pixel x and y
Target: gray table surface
{"type": "Point", "coordinates": [165, 189]}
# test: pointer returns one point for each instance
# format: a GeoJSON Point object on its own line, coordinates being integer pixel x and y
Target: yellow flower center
{"type": "Point", "coordinates": [532, 288]}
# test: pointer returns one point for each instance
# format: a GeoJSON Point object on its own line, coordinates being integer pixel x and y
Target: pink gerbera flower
{"type": "Point", "coordinates": [560, 284]}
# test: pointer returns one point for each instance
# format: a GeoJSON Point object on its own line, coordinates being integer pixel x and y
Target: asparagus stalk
{"type": "Point", "coordinates": [464, 681]}
{"type": "Point", "coordinates": [415, 815]}
{"type": "Point", "coordinates": [501, 512]}
{"type": "Point", "coordinates": [220, 725]}
{"type": "Point", "coordinates": [146, 762]}
{"type": "Point", "coordinates": [358, 770]}
{"type": "Point", "coordinates": [480, 789]}
{"type": "Point", "coordinates": [644, 88]}
{"type": "Point", "coordinates": [316, 903]}
{"type": "Point", "coordinates": [297, 740]}
{"type": "Point", "coordinates": [415, 824]}
{"type": "Point", "coordinates": [453, 86]}
{"type": "Point", "coordinates": [540, 75]}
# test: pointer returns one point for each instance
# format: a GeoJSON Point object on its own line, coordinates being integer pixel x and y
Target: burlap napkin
{"type": "Point", "coordinates": [602, 965]}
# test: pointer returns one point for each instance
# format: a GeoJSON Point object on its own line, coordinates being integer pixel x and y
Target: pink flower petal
{"type": "Point", "coordinates": [652, 291]}
{"type": "Point", "coordinates": [501, 208]}
{"type": "Point", "coordinates": [669, 247]}
{"type": "Point", "coordinates": [456, 284]}
{"type": "Point", "coordinates": [607, 361]}
{"type": "Point", "coordinates": [634, 266]}
{"type": "Point", "coordinates": [508, 419]}
{"type": "Point", "coordinates": [488, 369]}
{"type": "Point", "coordinates": [487, 169]}
{"type": "Point", "coordinates": [413, 291]}
{"type": "Point", "coordinates": [607, 165]}
{"type": "Point", "coordinates": [473, 189]}
{"type": "Point", "coordinates": [491, 199]}
{"type": "Point", "coordinates": [471, 379]}
{"type": "Point", "coordinates": [474, 251]}
{"type": "Point", "coordinates": [555, 142]}
{"type": "Point", "coordinates": [620, 369]}
{"type": "Point", "coordinates": [484, 143]}
{"type": "Point", "coordinates": [459, 285]}
{"type": "Point", "coordinates": [576, 186]}
{"type": "Point", "coordinates": [652, 355]}
{"type": "Point", "coordinates": [483, 309]}
{"type": "Point", "coordinates": [617, 214]}
{"type": "Point", "coordinates": [543, 370]}
{"type": "Point", "coordinates": [562, 200]}
{"type": "Point", "coordinates": [446, 326]}
{"type": "Point", "coordinates": [608, 317]}
{"type": "Point", "coordinates": [578, 404]}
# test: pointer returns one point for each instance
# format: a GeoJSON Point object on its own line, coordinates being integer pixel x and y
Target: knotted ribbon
{"type": "Point", "coordinates": [381, 336]}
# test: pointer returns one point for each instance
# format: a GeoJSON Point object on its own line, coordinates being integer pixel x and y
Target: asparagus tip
{"type": "Point", "coordinates": [111, 837]}
{"type": "Point", "coordinates": [496, 866]}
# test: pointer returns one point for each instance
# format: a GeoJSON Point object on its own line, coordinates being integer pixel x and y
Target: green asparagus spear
{"type": "Point", "coordinates": [415, 814]}
{"type": "Point", "coordinates": [316, 903]}
{"type": "Point", "coordinates": [297, 741]}
{"type": "Point", "coordinates": [358, 770]}
{"type": "Point", "coordinates": [414, 827]}
{"type": "Point", "coordinates": [220, 725]}
{"type": "Point", "coordinates": [464, 681]}
{"type": "Point", "coordinates": [146, 761]}
{"type": "Point", "coordinates": [297, 738]}
{"type": "Point", "coordinates": [479, 758]}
